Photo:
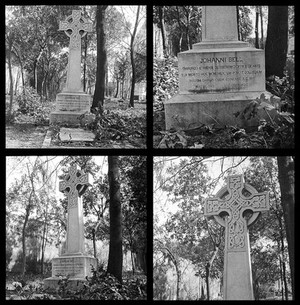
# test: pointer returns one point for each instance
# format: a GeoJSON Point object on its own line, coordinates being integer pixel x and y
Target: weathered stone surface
{"type": "Point", "coordinates": [228, 208]}
{"type": "Point", "coordinates": [219, 71]}
{"type": "Point", "coordinates": [70, 107]}
{"type": "Point", "coordinates": [76, 135]}
{"type": "Point", "coordinates": [218, 77]}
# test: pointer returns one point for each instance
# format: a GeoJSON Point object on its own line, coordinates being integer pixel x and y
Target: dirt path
{"type": "Point", "coordinates": [25, 135]}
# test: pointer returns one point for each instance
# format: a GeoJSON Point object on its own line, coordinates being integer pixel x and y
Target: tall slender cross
{"type": "Point", "coordinates": [75, 184]}
{"type": "Point", "coordinates": [79, 27]}
{"type": "Point", "coordinates": [229, 209]}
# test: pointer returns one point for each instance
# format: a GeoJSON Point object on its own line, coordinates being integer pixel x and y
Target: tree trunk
{"type": "Point", "coordinates": [287, 188]}
{"type": "Point", "coordinates": [24, 239]}
{"type": "Point", "coordinates": [161, 13]}
{"type": "Point", "coordinates": [256, 28]}
{"type": "Point", "coordinates": [261, 28]}
{"type": "Point", "coordinates": [94, 242]}
{"type": "Point", "coordinates": [84, 63]}
{"type": "Point", "coordinates": [132, 262]}
{"type": "Point", "coordinates": [11, 85]}
{"type": "Point", "coordinates": [207, 267]}
{"type": "Point", "coordinates": [238, 22]}
{"type": "Point", "coordinates": [98, 99]}
{"type": "Point", "coordinates": [277, 40]}
{"type": "Point", "coordinates": [131, 102]}
{"type": "Point", "coordinates": [35, 75]}
{"type": "Point", "coordinates": [117, 90]}
{"type": "Point", "coordinates": [44, 240]}
{"type": "Point", "coordinates": [115, 258]}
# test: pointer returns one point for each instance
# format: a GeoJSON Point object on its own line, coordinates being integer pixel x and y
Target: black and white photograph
{"type": "Point", "coordinates": [223, 228]}
{"type": "Point", "coordinates": [223, 77]}
{"type": "Point", "coordinates": [73, 231]}
{"type": "Point", "coordinates": [110, 111]}
{"type": "Point", "coordinates": [75, 76]}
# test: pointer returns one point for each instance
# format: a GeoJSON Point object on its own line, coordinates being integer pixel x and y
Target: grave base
{"type": "Point", "coordinates": [70, 107]}
{"type": "Point", "coordinates": [51, 283]}
{"type": "Point", "coordinates": [185, 111]}
{"type": "Point", "coordinates": [77, 267]}
{"type": "Point", "coordinates": [67, 117]}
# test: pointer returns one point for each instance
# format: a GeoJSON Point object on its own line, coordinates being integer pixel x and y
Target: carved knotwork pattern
{"type": "Point", "coordinates": [234, 204]}
{"type": "Point", "coordinates": [72, 180]}
{"type": "Point", "coordinates": [77, 24]}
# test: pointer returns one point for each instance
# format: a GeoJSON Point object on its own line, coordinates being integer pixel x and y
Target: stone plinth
{"type": "Point", "coordinates": [215, 84]}
{"type": "Point", "coordinates": [77, 267]}
{"type": "Point", "coordinates": [218, 77]}
{"type": "Point", "coordinates": [70, 106]}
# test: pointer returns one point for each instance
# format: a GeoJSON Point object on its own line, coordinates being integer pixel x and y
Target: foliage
{"type": "Point", "coordinates": [245, 23]}
{"type": "Point", "coordinates": [120, 125]}
{"type": "Point", "coordinates": [30, 104]}
{"type": "Point", "coordinates": [100, 286]}
{"type": "Point", "coordinates": [165, 81]}
{"type": "Point", "coordinates": [182, 26]}
{"type": "Point", "coordinates": [134, 208]}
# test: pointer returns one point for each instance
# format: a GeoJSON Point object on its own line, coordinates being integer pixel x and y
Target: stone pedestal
{"type": "Point", "coordinates": [77, 267]}
{"type": "Point", "coordinates": [218, 77]}
{"type": "Point", "coordinates": [70, 106]}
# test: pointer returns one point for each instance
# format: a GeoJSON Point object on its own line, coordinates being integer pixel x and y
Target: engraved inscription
{"type": "Point", "coordinates": [217, 74]}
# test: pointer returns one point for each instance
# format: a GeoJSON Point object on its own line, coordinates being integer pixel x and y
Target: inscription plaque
{"type": "Point", "coordinates": [220, 72]}
{"type": "Point", "coordinates": [68, 266]}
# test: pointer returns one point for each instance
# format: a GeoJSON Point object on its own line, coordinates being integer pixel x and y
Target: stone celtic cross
{"type": "Point", "coordinates": [79, 27]}
{"type": "Point", "coordinates": [75, 184]}
{"type": "Point", "coordinates": [228, 208]}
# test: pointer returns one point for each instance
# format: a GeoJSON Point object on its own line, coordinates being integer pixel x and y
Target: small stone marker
{"type": "Point", "coordinates": [218, 77]}
{"type": "Point", "coordinates": [73, 262]}
{"type": "Point", "coordinates": [72, 103]}
{"type": "Point", "coordinates": [76, 135]}
{"type": "Point", "coordinates": [228, 208]}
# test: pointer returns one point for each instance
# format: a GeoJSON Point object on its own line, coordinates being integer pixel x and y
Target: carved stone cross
{"type": "Point", "coordinates": [75, 184]}
{"type": "Point", "coordinates": [229, 209]}
{"type": "Point", "coordinates": [79, 27]}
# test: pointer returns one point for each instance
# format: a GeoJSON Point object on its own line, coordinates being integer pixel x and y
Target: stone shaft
{"type": "Point", "coordinates": [79, 28]}
{"type": "Point", "coordinates": [229, 208]}
{"type": "Point", "coordinates": [219, 23]}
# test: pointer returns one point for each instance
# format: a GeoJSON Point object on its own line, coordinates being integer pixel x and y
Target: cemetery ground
{"type": "Point", "coordinates": [101, 286]}
{"type": "Point", "coordinates": [118, 127]}
{"type": "Point", "coordinates": [278, 133]}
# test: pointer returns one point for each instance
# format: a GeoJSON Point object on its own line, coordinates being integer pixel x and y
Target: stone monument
{"type": "Point", "coordinates": [228, 208]}
{"type": "Point", "coordinates": [73, 261]}
{"type": "Point", "coordinates": [218, 77]}
{"type": "Point", "coordinates": [73, 102]}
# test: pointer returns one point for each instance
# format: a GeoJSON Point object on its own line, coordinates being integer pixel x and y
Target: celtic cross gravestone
{"type": "Point", "coordinates": [73, 102]}
{"type": "Point", "coordinates": [229, 208]}
{"type": "Point", "coordinates": [74, 262]}
{"type": "Point", "coordinates": [78, 26]}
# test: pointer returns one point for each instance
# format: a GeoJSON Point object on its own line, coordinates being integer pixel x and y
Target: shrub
{"type": "Point", "coordinates": [165, 80]}
{"type": "Point", "coordinates": [30, 104]}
